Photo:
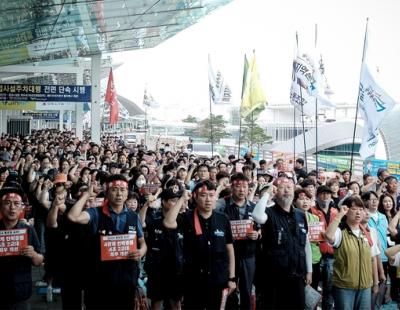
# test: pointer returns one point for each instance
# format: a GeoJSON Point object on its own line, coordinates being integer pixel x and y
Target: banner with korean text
{"type": "Point", "coordinates": [115, 247]}
{"type": "Point", "coordinates": [12, 241]}
{"type": "Point", "coordinates": [65, 93]}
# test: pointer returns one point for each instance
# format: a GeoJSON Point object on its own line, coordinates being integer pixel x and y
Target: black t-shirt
{"type": "Point", "coordinates": [16, 271]}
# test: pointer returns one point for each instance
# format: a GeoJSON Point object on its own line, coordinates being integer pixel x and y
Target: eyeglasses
{"type": "Point", "coordinates": [374, 200]}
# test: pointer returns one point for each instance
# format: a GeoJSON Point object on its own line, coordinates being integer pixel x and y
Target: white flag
{"type": "Point", "coordinates": [374, 104]}
{"type": "Point", "coordinates": [307, 85]}
{"type": "Point", "coordinates": [220, 92]}
{"type": "Point", "coordinates": [148, 99]}
{"type": "Point", "coordinates": [324, 90]}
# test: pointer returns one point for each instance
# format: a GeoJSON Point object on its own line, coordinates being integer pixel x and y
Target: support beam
{"type": "Point", "coordinates": [61, 120]}
{"type": "Point", "coordinates": [79, 109]}
{"type": "Point", "coordinates": [95, 108]}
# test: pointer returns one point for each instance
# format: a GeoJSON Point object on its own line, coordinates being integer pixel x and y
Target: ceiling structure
{"type": "Point", "coordinates": [42, 30]}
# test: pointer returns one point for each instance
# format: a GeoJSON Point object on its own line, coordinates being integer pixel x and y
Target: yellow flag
{"type": "Point", "coordinates": [254, 100]}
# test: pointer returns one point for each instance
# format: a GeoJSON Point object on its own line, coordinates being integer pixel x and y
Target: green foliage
{"type": "Point", "coordinates": [191, 132]}
{"type": "Point", "coordinates": [218, 128]}
{"type": "Point", "coordinates": [252, 134]}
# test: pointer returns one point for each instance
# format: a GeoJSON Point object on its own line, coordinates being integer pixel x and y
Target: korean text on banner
{"type": "Point", "coordinates": [12, 241]}
{"type": "Point", "coordinates": [115, 247]}
{"type": "Point", "coordinates": [241, 228]}
{"type": "Point", "coordinates": [315, 231]}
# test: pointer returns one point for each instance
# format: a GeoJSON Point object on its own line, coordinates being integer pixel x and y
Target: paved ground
{"type": "Point", "coordinates": [38, 301]}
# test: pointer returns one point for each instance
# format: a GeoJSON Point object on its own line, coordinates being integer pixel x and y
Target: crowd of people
{"type": "Point", "coordinates": [197, 233]}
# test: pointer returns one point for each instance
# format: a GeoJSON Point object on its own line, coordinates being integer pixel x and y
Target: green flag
{"type": "Point", "coordinates": [253, 98]}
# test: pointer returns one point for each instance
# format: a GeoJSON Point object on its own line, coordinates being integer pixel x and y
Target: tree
{"type": "Point", "coordinates": [190, 131]}
{"type": "Point", "coordinates": [252, 134]}
{"type": "Point", "coordinates": [218, 128]}
{"type": "Point", "coordinates": [190, 119]}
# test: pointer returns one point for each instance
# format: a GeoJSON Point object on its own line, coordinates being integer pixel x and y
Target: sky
{"type": "Point", "coordinates": [175, 71]}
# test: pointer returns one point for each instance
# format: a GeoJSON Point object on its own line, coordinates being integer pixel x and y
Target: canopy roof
{"type": "Point", "coordinates": [37, 30]}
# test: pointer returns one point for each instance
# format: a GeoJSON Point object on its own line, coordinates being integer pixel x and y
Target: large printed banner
{"type": "Point", "coordinates": [116, 247]}
{"type": "Point", "coordinates": [393, 167]}
{"type": "Point", "coordinates": [12, 241]}
{"type": "Point", "coordinates": [65, 93]}
{"type": "Point", "coordinates": [334, 162]}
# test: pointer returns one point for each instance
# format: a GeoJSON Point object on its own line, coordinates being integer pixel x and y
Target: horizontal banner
{"type": "Point", "coordinates": [43, 115]}
{"type": "Point", "coordinates": [372, 166]}
{"type": "Point", "coordinates": [55, 106]}
{"type": "Point", "coordinates": [65, 93]}
{"type": "Point", "coordinates": [13, 105]}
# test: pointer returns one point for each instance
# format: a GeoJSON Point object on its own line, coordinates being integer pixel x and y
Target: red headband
{"type": "Point", "coordinates": [14, 196]}
{"type": "Point", "coordinates": [117, 183]}
{"type": "Point", "coordinates": [240, 182]}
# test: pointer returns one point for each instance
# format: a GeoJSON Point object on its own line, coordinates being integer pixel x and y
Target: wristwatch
{"type": "Point", "coordinates": [233, 279]}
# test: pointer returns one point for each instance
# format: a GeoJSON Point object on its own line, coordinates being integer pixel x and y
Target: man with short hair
{"type": "Point", "coordinates": [239, 208]}
{"type": "Point", "coordinates": [301, 173]}
{"type": "Point", "coordinates": [209, 257]}
{"type": "Point", "coordinates": [15, 270]}
{"type": "Point", "coordinates": [112, 283]}
{"type": "Point", "coordinates": [391, 188]}
{"type": "Point", "coordinates": [326, 211]}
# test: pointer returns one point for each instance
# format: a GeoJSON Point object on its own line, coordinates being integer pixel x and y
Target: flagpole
{"type": "Point", "coordinates": [304, 132]}
{"type": "Point", "coordinates": [145, 125]}
{"type": "Point", "coordinates": [211, 126]}
{"type": "Point", "coordinates": [355, 119]}
{"type": "Point", "coordinates": [302, 113]}
{"type": "Point", "coordinates": [240, 133]}
{"type": "Point", "coordinates": [316, 114]}
{"type": "Point", "coordinates": [241, 99]}
{"type": "Point", "coordinates": [294, 135]}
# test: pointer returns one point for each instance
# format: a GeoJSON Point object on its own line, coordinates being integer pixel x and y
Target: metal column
{"type": "Point", "coordinates": [79, 109]}
{"type": "Point", "coordinates": [61, 120]}
{"type": "Point", "coordinates": [95, 108]}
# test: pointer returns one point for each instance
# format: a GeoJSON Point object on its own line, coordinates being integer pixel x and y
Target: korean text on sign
{"type": "Point", "coordinates": [116, 247]}
{"type": "Point", "coordinates": [241, 228]}
{"type": "Point", "coordinates": [12, 241]}
{"type": "Point", "coordinates": [315, 231]}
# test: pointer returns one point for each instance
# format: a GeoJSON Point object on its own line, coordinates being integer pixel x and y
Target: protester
{"type": "Point", "coordinates": [208, 249]}
{"type": "Point", "coordinates": [111, 283]}
{"type": "Point", "coordinates": [15, 270]}
{"type": "Point", "coordinates": [286, 251]}
{"type": "Point", "coordinates": [238, 208]}
{"type": "Point", "coordinates": [352, 269]}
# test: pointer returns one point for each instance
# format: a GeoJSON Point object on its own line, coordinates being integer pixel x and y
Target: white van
{"type": "Point", "coordinates": [204, 149]}
{"type": "Point", "coordinates": [130, 138]}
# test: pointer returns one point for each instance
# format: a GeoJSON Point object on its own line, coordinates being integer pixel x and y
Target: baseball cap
{"type": "Point", "coordinates": [60, 178]}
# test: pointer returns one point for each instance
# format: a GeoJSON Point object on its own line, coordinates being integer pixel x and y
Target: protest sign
{"type": "Point", "coordinates": [99, 201]}
{"type": "Point", "coordinates": [149, 189]}
{"type": "Point", "coordinates": [241, 228]}
{"type": "Point", "coordinates": [115, 247]}
{"type": "Point", "coordinates": [239, 167]}
{"type": "Point", "coordinates": [315, 230]}
{"type": "Point", "coordinates": [12, 241]}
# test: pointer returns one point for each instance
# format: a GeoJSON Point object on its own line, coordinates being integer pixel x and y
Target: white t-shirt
{"type": "Point", "coordinates": [374, 248]}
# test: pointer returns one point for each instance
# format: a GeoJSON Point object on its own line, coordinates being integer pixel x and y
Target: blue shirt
{"type": "Point", "coordinates": [381, 227]}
